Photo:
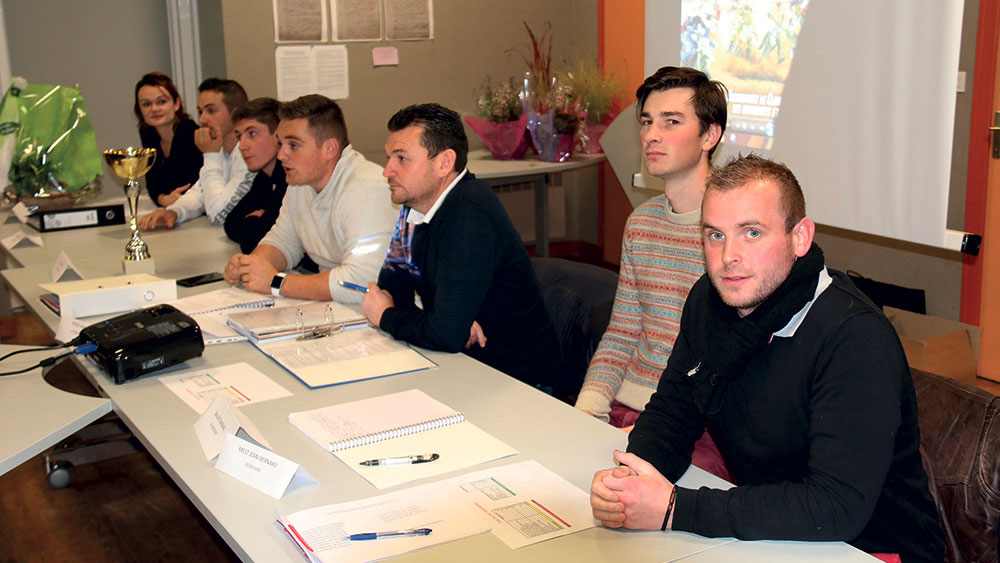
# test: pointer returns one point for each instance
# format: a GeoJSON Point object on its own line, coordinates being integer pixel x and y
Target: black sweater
{"type": "Point", "coordinates": [820, 433]}
{"type": "Point", "coordinates": [473, 267]}
{"type": "Point", "coordinates": [265, 193]}
{"type": "Point", "coordinates": [182, 167]}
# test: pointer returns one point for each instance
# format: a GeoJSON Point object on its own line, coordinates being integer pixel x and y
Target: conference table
{"type": "Point", "coordinates": [531, 170]}
{"type": "Point", "coordinates": [564, 440]}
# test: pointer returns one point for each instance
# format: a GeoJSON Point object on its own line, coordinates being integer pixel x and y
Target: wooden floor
{"type": "Point", "coordinates": [123, 509]}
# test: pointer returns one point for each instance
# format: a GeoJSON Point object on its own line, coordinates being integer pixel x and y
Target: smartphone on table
{"type": "Point", "coordinates": [200, 279]}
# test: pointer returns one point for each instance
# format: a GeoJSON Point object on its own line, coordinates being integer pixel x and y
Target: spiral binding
{"type": "Point", "coordinates": [396, 432]}
{"type": "Point", "coordinates": [261, 304]}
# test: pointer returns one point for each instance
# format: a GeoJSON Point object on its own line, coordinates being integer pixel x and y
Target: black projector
{"type": "Point", "coordinates": [142, 341]}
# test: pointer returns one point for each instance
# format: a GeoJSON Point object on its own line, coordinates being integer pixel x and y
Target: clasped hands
{"type": "Point", "coordinates": [377, 300]}
{"type": "Point", "coordinates": [633, 495]}
{"type": "Point", "coordinates": [254, 271]}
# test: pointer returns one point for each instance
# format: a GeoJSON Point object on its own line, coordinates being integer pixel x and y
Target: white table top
{"type": "Point", "coordinates": [108, 243]}
{"type": "Point", "coordinates": [485, 167]}
{"type": "Point", "coordinates": [35, 416]}
{"type": "Point", "coordinates": [558, 436]}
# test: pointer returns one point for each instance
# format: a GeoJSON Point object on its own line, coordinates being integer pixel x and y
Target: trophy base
{"type": "Point", "coordinates": [146, 266]}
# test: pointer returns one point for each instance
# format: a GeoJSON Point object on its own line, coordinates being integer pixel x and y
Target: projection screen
{"type": "Point", "coordinates": [856, 97]}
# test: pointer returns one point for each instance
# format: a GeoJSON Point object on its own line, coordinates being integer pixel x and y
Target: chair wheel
{"type": "Point", "coordinates": [59, 474]}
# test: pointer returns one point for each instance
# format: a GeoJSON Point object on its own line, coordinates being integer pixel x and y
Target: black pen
{"type": "Point", "coordinates": [405, 460]}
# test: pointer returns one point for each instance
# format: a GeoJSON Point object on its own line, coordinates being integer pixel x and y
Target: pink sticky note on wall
{"type": "Point", "coordinates": [384, 56]}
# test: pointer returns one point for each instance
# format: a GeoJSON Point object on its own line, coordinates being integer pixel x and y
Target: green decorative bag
{"type": "Point", "coordinates": [47, 143]}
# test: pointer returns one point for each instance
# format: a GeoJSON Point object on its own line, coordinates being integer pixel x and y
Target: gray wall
{"type": "Point", "coordinates": [213, 45]}
{"type": "Point", "coordinates": [99, 44]}
{"type": "Point", "coordinates": [472, 40]}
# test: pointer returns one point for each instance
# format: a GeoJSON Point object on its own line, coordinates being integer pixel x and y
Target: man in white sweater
{"type": "Point", "coordinates": [336, 210]}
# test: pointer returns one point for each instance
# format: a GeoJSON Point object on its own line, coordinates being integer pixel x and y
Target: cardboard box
{"type": "Point", "coordinates": [937, 345]}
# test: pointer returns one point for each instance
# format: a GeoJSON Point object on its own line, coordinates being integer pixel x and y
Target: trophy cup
{"type": "Point", "coordinates": [132, 164]}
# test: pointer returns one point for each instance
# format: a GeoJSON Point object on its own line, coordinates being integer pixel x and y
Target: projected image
{"type": "Point", "coordinates": [748, 46]}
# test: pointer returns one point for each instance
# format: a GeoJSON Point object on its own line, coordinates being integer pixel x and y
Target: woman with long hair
{"type": "Point", "coordinates": [164, 126]}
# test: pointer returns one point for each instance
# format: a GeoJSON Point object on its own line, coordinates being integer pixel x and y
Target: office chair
{"type": "Point", "coordinates": [578, 298]}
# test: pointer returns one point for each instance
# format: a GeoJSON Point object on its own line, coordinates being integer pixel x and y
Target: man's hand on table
{"type": "Point", "coordinates": [633, 495]}
{"type": "Point", "coordinates": [253, 271]}
{"type": "Point", "coordinates": [160, 216]}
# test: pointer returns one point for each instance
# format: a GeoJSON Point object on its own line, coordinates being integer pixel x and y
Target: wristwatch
{"type": "Point", "coordinates": [276, 282]}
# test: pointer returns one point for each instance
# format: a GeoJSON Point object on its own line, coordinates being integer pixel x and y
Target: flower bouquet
{"type": "Point", "coordinates": [552, 115]}
{"type": "Point", "coordinates": [597, 92]}
{"type": "Point", "coordinates": [501, 122]}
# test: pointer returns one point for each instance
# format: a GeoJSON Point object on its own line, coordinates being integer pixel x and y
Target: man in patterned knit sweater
{"type": "Point", "coordinates": [682, 115]}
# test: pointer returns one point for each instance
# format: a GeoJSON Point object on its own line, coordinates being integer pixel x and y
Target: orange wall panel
{"type": "Point", "coordinates": [621, 44]}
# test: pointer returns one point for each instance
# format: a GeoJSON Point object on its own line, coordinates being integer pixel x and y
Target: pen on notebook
{"type": "Point", "coordinates": [353, 286]}
{"type": "Point", "coordinates": [395, 534]}
{"type": "Point", "coordinates": [405, 460]}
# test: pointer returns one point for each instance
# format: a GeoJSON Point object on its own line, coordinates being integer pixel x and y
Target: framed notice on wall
{"type": "Point", "coordinates": [409, 20]}
{"type": "Point", "coordinates": [356, 20]}
{"type": "Point", "coordinates": [302, 21]}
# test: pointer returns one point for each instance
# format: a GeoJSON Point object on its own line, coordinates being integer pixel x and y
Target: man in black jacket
{"type": "Point", "coordinates": [801, 381]}
{"type": "Point", "coordinates": [456, 248]}
{"type": "Point", "coordinates": [255, 124]}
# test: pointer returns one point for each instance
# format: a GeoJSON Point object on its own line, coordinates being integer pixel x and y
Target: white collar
{"type": "Point", "coordinates": [417, 217]}
{"type": "Point", "coordinates": [789, 329]}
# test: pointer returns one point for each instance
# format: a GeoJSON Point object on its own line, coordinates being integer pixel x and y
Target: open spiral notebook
{"type": "Point", "coordinates": [398, 425]}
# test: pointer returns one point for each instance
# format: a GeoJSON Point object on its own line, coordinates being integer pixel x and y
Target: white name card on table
{"type": "Point", "coordinates": [18, 213]}
{"type": "Point", "coordinates": [261, 468]}
{"type": "Point", "coordinates": [219, 420]}
{"type": "Point", "coordinates": [64, 270]}
{"type": "Point", "coordinates": [21, 239]}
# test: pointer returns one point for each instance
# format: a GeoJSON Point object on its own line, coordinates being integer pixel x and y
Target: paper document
{"type": "Point", "coordinates": [528, 502]}
{"type": "Point", "coordinates": [239, 384]}
{"type": "Point", "coordinates": [300, 20]}
{"type": "Point", "coordinates": [521, 504]}
{"type": "Point", "coordinates": [350, 355]}
{"type": "Point", "coordinates": [311, 69]}
{"type": "Point", "coordinates": [322, 532]}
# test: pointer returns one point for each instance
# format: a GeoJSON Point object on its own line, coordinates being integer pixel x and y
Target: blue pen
{"type": "Point", "coordinates": [353, 286]}
{"type": "Point", "coordinates": [396, 534]}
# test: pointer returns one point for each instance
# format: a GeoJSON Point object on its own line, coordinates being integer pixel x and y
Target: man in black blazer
{"type": "Point", "coordinates": [456, 248]}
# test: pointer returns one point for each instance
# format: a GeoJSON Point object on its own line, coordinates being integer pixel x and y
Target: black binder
{"type": "Point", "coordinates": [77, 218]}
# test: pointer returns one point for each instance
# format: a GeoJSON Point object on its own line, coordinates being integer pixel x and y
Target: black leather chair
{"type": "Point", "coordinates": [578, 298]}
{"type": "Point", "coordinates": [960, 443]}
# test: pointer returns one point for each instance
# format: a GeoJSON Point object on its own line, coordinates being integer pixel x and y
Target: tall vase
{"type": "Point", "coordinates": [552, 135]}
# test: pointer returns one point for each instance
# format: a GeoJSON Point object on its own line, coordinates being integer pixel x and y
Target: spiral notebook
{"type": "Point", "coordinates": [399, 425]}
{"type": "Point", "coordinates": [211, 310]}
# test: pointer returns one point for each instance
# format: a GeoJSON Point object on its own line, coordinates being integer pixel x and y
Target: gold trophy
{"type": "Point", "coordinates": [132, 164]}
